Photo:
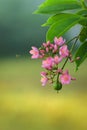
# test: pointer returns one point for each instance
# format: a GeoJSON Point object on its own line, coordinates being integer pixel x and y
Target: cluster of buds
{"type": "Point", "coordinates": [53, 54]}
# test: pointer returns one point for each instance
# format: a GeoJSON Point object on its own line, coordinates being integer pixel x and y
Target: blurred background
{"type": "Point", "coordinates": [24, 103]}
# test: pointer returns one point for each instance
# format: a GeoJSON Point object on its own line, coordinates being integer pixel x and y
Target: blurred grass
{"type": "Point", "coordinates": [25, 105]}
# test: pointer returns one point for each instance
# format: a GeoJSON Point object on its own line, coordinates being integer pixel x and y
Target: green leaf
{"type": "Point", "coordinates": [83, 21]}
{"type": "Point", "coordinates": [82, 53]}
{"type": "Point", "coordinates": [82, 12]}
{"type": "Point", "coordinates": [58, 28]}
{"type": "Point", "coordinates": [56, 6]}
{"type": "Point", "coordinates": [57, 18]}
{"type": "Point", "coordinates": [83, 34]}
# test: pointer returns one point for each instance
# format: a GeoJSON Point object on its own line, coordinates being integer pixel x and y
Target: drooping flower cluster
{"type": "Point", "coordinates": [53, 54]}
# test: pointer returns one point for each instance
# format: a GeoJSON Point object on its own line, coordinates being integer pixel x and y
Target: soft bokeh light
{"type": "Point", "coordinates": [25, 104]}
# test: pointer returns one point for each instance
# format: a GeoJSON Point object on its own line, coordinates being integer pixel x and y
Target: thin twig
{"type": "Point", "coordinates": [77, 37]}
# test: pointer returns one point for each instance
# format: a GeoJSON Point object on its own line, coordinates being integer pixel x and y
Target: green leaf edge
{"type": "Point", "coordinates": [76, 55]}
{"type": "Point", "coordinates": [74, 23]}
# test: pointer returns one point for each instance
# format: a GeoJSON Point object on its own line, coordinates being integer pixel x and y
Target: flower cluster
{"type": "Point", "coordinates": [53, 54]}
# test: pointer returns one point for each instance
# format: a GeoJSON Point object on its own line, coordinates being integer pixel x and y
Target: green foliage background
{"type": "Point", "coordinates": [19, 27]}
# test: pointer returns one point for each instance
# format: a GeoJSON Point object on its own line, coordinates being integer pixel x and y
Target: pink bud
{"type": "Point", "coordinates": [47, 49]}
{"type": "Point", "coordinates": [42, 53]}
{"type": "Point", "coordinates": [48, 43]}
{"type": "Point", "coordinates": [55, 48]}
{"type": "Point", "coordinates": [44, 44]}
{"type": "Point", "coordinates": [43, 73]}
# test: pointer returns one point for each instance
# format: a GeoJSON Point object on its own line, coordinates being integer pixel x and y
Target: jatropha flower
{"type": "Point", "coordinates": [59, 41]}
{"type": "Point", "coordinates": [63, 51]}
{"type": "Point", "coordinates": [48, 63]}
{"type": "Point", "coordinates": [34, 52]}
{"type": "Point", "coordinates": [57, 59]}
{"type": "Point", "coordinates": [53, 54]}
{"type": "Point", "coordinates": [65, 78]}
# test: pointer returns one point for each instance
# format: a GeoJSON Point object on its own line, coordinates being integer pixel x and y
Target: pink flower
{"type": "Point", "coordinates": [63, 51]}
{"type": "Point", "coordinates": [44, 79]}
{"type": "Point", "coordinates": [59, 41]}
{"type": "Point", "coordinates": [65, 78]}
{"type": "Point", "coordinates": [48, 63]}
{"type": "Point", "coordinates": [57, 59]}
{"type": "Point", "coordinates": [34, 52]}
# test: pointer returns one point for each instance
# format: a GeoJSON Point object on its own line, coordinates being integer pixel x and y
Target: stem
{"type": "Point", "coordinates": [72, 39]}
{"type": "Point", "coordinates": [74, 43]}
{"type": "Point", "coordinates": [57, 75]}
{"type": "Point", "coordinates": [64, 63]}
{"type": "Point", "coordinates": [58, 78]}
{"type": "Point", "coordinates": [77, 37]}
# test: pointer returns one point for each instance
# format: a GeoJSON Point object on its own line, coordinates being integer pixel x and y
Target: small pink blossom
{"type": "Point", "coordinates": [48, 63]}
{"type": "Point", "coordinates": [65, 78]}
{"type": "Point", "coordinates": [44, 79]}
{"type": "Point", "coordinates": [44, 44]}
{"type": "Point", "coordinates": [57, 59]}
{"type": "Point", "coordinates": [43, 73]}
{"type": "Point", "coordinates": [59, 41]}
{"type": "Point", "coordinates": [34, 52]}
{"type": "Point", "coordinates": [63, 51]}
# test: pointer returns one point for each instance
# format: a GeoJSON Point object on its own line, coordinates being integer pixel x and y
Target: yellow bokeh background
{"type": "Point", "coordinates": [26, 105]}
